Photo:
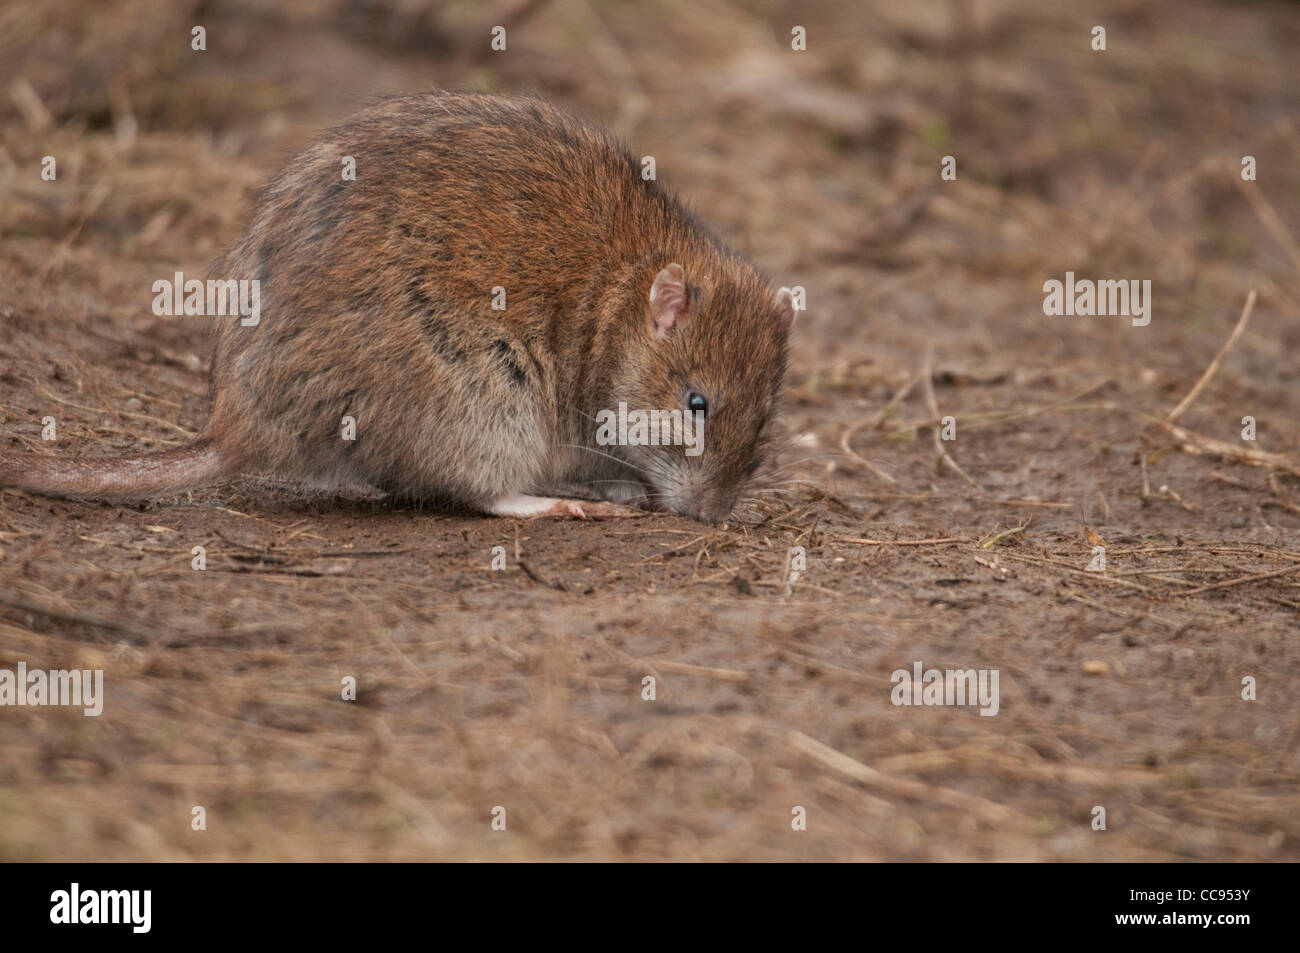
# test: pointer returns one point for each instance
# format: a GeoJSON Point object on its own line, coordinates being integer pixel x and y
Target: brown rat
{"type": "Point", "coordinates": [376, 304]}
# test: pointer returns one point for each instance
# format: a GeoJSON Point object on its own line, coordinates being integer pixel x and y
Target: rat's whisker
{"type": "Point", "coordinates": [602, 453]}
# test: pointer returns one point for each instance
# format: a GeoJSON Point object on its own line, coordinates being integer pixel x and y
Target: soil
{"type": "Point", "coordinates": [1158, 688]}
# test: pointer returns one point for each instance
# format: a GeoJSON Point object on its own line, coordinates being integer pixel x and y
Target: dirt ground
{"type": "Point", "coordinates": [522, 689]}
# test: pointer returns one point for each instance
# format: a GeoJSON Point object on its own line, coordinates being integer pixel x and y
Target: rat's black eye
{"type": "Point", "coordinates": [696, 403]}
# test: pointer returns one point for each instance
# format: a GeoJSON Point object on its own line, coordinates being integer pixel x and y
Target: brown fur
{"type": "Point", "coordinates": [376, 303]}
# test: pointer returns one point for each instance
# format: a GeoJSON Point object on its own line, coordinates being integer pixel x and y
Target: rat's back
{"type": "Point", "coordinates": [459, 273]}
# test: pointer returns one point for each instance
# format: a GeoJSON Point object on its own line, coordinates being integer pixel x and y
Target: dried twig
{"type": "Point", "coordinates": [927, 379]}
{"type": "Point", "coordinates": [1242, 580]}
{"type": "Point", "coordinates": [944, 540]}
{"type": "Point", "coordinates": [1210, 371]}
{"type": "Point", "coordinates": [986, 810]}
{"type": "Point", "coordinates": [990, 541]}
{"type": "Point", "coordinates": [701, 671]}
{"type": "Point", "coordinates": [1197, 444]}
{"type": "Point", "coordinates": [1283, 498]}
{"type": "Point", "coordinates": [1268, 216]}
{"type": "Point", "coordinates": [538, 578]}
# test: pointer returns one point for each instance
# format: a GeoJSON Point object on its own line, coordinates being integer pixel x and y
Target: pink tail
{"type": "Point", "coordinates": [155, 474]}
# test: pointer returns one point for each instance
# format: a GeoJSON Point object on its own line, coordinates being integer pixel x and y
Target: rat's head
{"type": "Point", "coordinates": [712, 346]}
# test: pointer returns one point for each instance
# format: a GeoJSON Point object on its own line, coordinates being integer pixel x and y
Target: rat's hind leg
{"type": "Point", "coordinates": [521, 504]}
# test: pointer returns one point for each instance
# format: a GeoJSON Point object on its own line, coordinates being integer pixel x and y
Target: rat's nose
{"type": "Point", "coordinates": [714, 509]}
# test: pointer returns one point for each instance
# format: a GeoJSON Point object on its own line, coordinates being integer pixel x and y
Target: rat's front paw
{"type": "Point", "coordinates": [603, 510]}
{"type": "Point", "coordinates": [520, 504]}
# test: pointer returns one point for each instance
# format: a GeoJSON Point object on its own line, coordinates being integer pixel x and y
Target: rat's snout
{"type": "Point", "coordinates": [712, 507]}
{"type": "Point", "coordinates": [696, 491]}
{"type": "Point", "coordinates": [713, 514]}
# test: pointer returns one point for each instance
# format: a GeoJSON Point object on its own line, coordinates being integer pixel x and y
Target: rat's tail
{"type": "Point", "coordinates": [149, 475]}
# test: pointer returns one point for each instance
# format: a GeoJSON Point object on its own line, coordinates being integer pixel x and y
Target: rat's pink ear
{"type": "Point", "coordinates": [785, 307]}
{"type": "Point", "coordinates": [671, 304]}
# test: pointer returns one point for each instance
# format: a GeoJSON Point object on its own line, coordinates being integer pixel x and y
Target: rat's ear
{"type": "Point", "coordinates": [785, 307]}
{"type": "Point", "coordinates": [671, 303]}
